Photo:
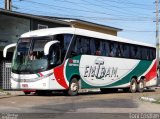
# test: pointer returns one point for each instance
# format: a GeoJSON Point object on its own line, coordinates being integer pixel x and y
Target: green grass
{"type": "Point", "coordinates": [158, 101]}
{"type": "Point", "coordinates": [1, 90]}
{"type": "Point", "coordinates": [7, 93]}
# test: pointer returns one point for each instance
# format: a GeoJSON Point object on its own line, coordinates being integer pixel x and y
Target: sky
{"type": "Point", "coordinates": [135, 17]}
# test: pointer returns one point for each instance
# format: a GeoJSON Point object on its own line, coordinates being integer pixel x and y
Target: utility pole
{"type": "Point", "coordinates": [157, 31]}
{"type": "Point", "coordinates": [8, 4]}
{"type": "Point", "coordinates": [157, 39]}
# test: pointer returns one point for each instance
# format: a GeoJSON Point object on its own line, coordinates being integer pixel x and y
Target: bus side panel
{"type": "Point", "coordinates": [151, 74]}
{"type": "Point", "coordinates": [64, 73]}
{"type": "Point", "coordinates": [72, 68]}
{"type": "Point", "coordinates": [98, 72]}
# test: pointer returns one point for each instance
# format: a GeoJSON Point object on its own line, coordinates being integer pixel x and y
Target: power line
{"type": "Point", "coordinates": [102, 1]}
{"type": "Point", "coordinates": [90, 17]}
{"type": "Point", "coordinates": [96, 18]}
{"type": "Point", "coordinates": [130, 3]}
{"type": "Point", "coordinates": [113, 10]}
{"type": "Point", "coordinates": [66, 8]}
{"type": "Point", "coordinates": [123, 7]}
{"type": "Point", "coordinates": [140, 31]}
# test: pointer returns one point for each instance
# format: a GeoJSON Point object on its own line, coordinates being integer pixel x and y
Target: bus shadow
{"type": "Point", "coordinates": [86, 93]}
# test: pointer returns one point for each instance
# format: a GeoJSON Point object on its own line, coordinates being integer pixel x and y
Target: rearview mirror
{"type": "Point", "coordinates": [48, 45]}
{"type": "Point", "coordinates": [7, 47]}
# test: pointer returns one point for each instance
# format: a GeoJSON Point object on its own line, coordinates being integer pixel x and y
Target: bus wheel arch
{"type": "Point", "coordinates": [133, 84]}
{"type": "Point", "coordinates": [74, 85]}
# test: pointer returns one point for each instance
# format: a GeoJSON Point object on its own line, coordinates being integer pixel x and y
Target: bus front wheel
{"type": "Point", "coordinates": [73, 87]}
{"type": "Point", "coordinates": [133, 86]}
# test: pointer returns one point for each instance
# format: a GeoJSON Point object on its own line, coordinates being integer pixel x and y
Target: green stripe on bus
{"type": "Point", "coordinates": [72, 68]}
{"type": "Point", "coordinates": [38, 75]}
{"type": "Point", "coordinates": [137, 71]}
{"type": "Point", "coordinates": [141, 67]}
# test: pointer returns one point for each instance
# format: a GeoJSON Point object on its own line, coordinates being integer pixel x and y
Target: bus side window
{"type": "Point", "coordinates": [148, 54]}
{"type": "Point", "coordinates": [92, 46]}
{"type": "Point", "coordinates": [113, 49]}
{"type": "Point", "coordinates": [81, 46]}
{"type": "Point", "coordinates": [133, 51]}
{"type": "Point", "coordinates": [97, 47]}
{"type": "Point", "coordinates": [104, 48]}
{"type": "Point", "coordinates": [77, 49]}
{"type": "Point", "coordinates": [125, 51]}
{"type": "Point", "coordinates": [138, 52]}
{"type": "Point", "coordinates": [85, 43]}
{"type": "Point", "coordinates": [144, 53]}
{"type": "Point", "coordinates": [152, 54]}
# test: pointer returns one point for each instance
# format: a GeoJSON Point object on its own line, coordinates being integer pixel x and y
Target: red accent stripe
{"type": "Point", "coordinates": [40, 74]}
{"type": "Point", "coordinates": [152, 72]}
{"type": "Point", "coordinates": [58, 72]}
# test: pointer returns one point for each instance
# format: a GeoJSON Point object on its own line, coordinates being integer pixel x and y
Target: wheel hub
{"type": "Point", "coordinates": [141, 85]}
{"type": "Point", "coordinates": [133, 86]}
{"type": "Point", "coordinates": [74, 87]}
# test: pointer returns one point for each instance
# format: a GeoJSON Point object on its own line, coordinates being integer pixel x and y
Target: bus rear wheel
{"type": "Point", "coordinates": [73, 87]}
{"type": "Point", "coordinates": [141, 85]}
{"type": "Point", "coordinates": [133, 86]}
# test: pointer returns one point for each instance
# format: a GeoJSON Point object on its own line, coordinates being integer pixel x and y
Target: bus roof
{"type": "Point", "coordinates": [83, 32]}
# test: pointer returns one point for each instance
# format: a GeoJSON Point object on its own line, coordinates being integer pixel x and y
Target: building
{"type": "Point", "coordinates": [13, 24]}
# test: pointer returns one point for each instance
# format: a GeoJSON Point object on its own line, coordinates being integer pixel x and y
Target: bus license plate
{"type": "Point", "coordinates": [25, 85]}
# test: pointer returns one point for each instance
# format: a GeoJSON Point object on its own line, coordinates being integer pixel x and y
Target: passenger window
{"type": "Point", "coordinates": [97, 47]}
{"type": "Point", "coordinates": [113, 49]}
{"type": "Point", "coordinates": [138, 52]}
{"type": "Point", "coordinates": [144, 53]}
{"type": "Point", "coordinates": [92, 46]}
{"type": "Point", "coordinates": [85, 46]}
{"type": "Point", "coordinates": [133, 51]}
{"type": "Point", "coordinates": [104, 48]}
{"type": "Point", "coordinates": [82, 46]}
{"type": "Point", "coordinates": [152, 54]}
{"type": "Point", "coordinates": [125, 52]}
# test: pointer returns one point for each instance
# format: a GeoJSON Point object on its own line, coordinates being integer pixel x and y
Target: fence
{"type": "Point", "coordinates": [5, 75]}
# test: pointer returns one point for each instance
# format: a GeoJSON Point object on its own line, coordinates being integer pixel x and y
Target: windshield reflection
{"type": "Point", "coordinates": [29, 54]}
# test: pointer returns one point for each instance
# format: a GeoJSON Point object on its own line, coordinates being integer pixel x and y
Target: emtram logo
{"type": "Point", "coordinates": [100, 70]}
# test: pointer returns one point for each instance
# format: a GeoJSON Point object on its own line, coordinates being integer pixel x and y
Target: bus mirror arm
{"type": "Point", "coordinates": [7, 47]}
{"type": "Point", "coordinates": [48, 45]}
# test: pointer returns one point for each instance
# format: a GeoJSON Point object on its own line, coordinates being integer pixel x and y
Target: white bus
{"type": "Point", "coordinates": [69, 59]}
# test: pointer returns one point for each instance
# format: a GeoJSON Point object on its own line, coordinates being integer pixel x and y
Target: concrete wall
{"type": "Point", "coordinates": [35, 23]}
{"type": "Point", "coordinates": [11, 28]}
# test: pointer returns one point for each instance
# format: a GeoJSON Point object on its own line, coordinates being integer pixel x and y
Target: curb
{"type": "Point", "coordinates": [148, 99]}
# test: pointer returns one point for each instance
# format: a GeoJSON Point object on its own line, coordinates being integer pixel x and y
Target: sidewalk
{"type": "Point", "coordinates": [5, 94]}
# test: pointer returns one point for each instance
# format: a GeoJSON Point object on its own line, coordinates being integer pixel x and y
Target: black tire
{"type": "Point", "coordinates": [133, 86]}
{"type": "Point", "coordinates": [108, 90]}
{"type": "Point", "coordinates": [27, 93]}
{"type": "Point", "coordinates": [141, 86]}
{"type": "Point", "coordinates": [103, 90]}
{"type": "Point", "coordinates": [73, 87]}
{"type": "Point", "coordinates": [43, 92]}
{"type": "Point", "coordinates": [126, 90]}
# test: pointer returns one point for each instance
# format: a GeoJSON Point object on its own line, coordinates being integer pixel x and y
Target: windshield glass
{"type": "Point", "coordinates": [29, 55]}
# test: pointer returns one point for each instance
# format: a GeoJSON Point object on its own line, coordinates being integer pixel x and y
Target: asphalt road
{"type": "Point", "coordinates": [84, 106]}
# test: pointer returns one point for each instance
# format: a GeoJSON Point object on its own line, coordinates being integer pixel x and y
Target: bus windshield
{"type": "Point", "coordinates": [29, 55]}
